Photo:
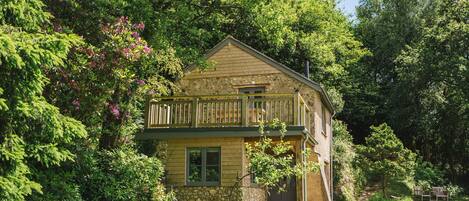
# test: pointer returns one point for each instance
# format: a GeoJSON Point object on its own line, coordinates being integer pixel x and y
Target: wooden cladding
{"type": "Point", "coordinates": [239, 110]}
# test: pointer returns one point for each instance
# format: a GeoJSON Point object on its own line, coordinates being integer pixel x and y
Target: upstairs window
{"type": "Point", "coordinates": [203, 166]}
{"type": "Point", "coordinates": [252, 90]}
{"type": "Point", "coordinates": [324, 120]}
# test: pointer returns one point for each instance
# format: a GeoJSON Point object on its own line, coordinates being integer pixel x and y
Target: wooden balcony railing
{"type": "Point", "coordinates": [234, 110]}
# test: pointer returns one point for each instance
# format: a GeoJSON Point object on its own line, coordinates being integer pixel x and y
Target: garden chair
{"type": "Point", "coordinates": [419, 192]}
{"type": "Point", "coordinates": [440, 192]}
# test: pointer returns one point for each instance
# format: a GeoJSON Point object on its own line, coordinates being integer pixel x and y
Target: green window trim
{"type": "Point", "coordinates": [204, 166]}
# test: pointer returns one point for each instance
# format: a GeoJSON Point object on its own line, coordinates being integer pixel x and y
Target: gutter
{"type": "Point", "coordinates": [331, 152]}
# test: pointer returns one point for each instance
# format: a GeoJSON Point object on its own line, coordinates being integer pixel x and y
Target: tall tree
{"type": "Point", "coordinates": [295, 31]}
{"type": "Point", "coordinates": [431, 99]}
{"type": "Point", "coordinates": [385, 27]}
{"type": "Point", "coordinates": [33, 133]}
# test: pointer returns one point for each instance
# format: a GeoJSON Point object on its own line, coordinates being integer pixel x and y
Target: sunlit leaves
{"type": "Point", "coordinates": [384, 155]}
{"type": "Point", "coordinates": [271, 161]}
{"type": "Point", "coordinates": [33, 132]}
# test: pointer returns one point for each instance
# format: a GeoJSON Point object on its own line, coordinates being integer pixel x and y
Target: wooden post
{"type": "Point", "coordinates": [303, 113]}
{"type": "Point", "coordinates": [244, 111]}
{"type": "Point", "coordinates": [296, 108]}
{"type": "Point", "coordinates": [194, 113]}
{"type": "Point", "coordinates": [147, 111]}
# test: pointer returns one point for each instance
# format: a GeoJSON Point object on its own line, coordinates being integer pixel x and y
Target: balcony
{"type": "Point", "coordinates": [231, 110]}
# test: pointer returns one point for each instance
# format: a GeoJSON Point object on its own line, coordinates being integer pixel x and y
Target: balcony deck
{"type": "Point", "coordinates": [231, 110]}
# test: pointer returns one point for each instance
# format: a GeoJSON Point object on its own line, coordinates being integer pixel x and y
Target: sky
{"type": "Point", "coordinates": [348, 6]}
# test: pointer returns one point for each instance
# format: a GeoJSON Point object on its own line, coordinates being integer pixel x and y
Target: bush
{"type": "Point", "coordinates": [57, 183]}
{"type": "Point", "coordinates": [427, 175]}
{"type": "Point", "coordinates": [347, 176]}
{"type": "Point", "coordinates": [121, 174]}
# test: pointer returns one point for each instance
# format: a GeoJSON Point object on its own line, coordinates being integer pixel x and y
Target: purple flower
{"type": "Point", "coordinates": [76, 103]}
{"type": "Point", "coordinates": [146, 49]}
{"type": "Point", "coordinates": [126, 52]}
{"type": "Point", "coordinates": [135, 35]}
{"type": "Point", "coordinates": [123, 19]}
{"type": "Point", "coordinates": [140, 82]}
{"type": "Point", "coordinates": [140, 26]}
{"type": "Point", "coordinates": [114, 108]}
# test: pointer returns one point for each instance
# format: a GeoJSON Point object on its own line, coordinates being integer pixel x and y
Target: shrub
{"type": "Point", "coordinates": [427, 175]}
{"type": "Point", "coordinates": [120, 174]}
{"type": "Point", "coordinates": [346, 174]}
{"type": "Point", "coordinates": [385, 157]}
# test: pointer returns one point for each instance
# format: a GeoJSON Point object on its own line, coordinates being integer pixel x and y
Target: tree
{"type": "Point", "coordinates": [105, 86]}
{"type": "Point", "coordinates": [290, 32]}
{"type": "Point", "coordinates": [384, 27]}
{"type": "Point", "coordinates": [384, 155]}
{"type": "Point", "coordinates": [432, 95]}
{"type": "Point", "coordinates": [272, 161]}
{"type": "Point", "coordinates": [33, 133]}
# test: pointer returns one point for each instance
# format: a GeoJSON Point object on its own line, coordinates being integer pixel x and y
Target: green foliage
{"type": "Point", "coordinates": [27, 14]}
{"type": "Point", "coordinates": [384, 156]}
{"type": "Point", "coordinates": [294, 31]}
{"type": "Point", "coordinates": [436, 94]}
{"type": "Point", "coordinates": [271, 161]}
{"type": "Point", "coordinates": [106, 86]}
{"type": "Point", "coordinates": [58, 183]}
{"type": "Point", "coordinates": [415, 79]}
{"type": "Point", "coordinates": [34, 134]}
{"type": "Point", "coordinates": [427, 175]}
{"type": "Point", "coordinates": [379, 197]}
{"type": "Point", "coordinates": [347, 176]}
{"type": "Point", "coordinates": [289, 31]}
{"type": "Point", "coordinates": [120, 174]}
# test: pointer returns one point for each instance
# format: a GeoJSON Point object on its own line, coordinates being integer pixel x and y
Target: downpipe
{"type": "Point", "coordinates": [303, 155]}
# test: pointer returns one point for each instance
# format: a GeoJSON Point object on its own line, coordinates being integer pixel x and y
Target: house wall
{"type": "Point", "coordinates": [232, 150]}
{"type": "Point", "coordinates": [234, 68]}
{"type": "Point", "coordinates": [315, 187]}
{"type": "Point", "coordinates": [219, 193]}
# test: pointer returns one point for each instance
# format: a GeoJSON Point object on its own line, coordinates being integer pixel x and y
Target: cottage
{"type": "Point", "coordinates": [217, 110]}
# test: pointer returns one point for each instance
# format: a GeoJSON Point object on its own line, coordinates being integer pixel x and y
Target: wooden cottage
{"type": "Point", "coordinates": [217, 110]}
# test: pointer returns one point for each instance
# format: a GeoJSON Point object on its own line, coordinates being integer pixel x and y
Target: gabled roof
{"type": "Point", "coordinates": [301, 78]}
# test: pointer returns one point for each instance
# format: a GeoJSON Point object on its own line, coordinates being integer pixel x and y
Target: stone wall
{"type": "Point", "coordinates": [219, 193]}
{"type": "Point", "coordinates": [253, 194]}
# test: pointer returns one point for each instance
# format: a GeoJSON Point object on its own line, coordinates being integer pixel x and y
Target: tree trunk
{"type": "Point", "coordinates": [110, 132]}
{"type": "Point", "coordinates": [384, 185]}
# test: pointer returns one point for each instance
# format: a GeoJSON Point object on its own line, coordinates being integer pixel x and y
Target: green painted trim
{"type": "Point", "coordinates": [174, 133]}
{"type": "Point", "coordinates": [203, 152]}
{"type": "Point", "coordinates": [231, 40]}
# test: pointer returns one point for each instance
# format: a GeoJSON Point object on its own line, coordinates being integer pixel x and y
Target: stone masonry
{"type": "Point", "coordinates": [219, 193]}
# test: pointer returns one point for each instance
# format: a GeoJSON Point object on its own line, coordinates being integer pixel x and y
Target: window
{"type": "Point", "coordinates": [252, 90]}
{"type": "Point", "coordinates": [324, 120]}
{"type": "Point", "coordinates": [203, 166]}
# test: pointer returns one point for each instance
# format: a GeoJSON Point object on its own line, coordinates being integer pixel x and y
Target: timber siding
{"type": "Point", "coordinates": [232, 150]}
{"type": "Point", "coordinates": [232, 61]}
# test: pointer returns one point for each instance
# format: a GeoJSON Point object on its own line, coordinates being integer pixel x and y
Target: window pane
{"type": "Point", "coordinates": [213, 156]}
{"type": "Point", "coordinates": [195, 157]}
{"type": "Point", "coordinates": [213, 173]}
{"type": "Point", "coordinates": [195, 173]}
{"type": "Point", "coordinates": [195, 165]}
